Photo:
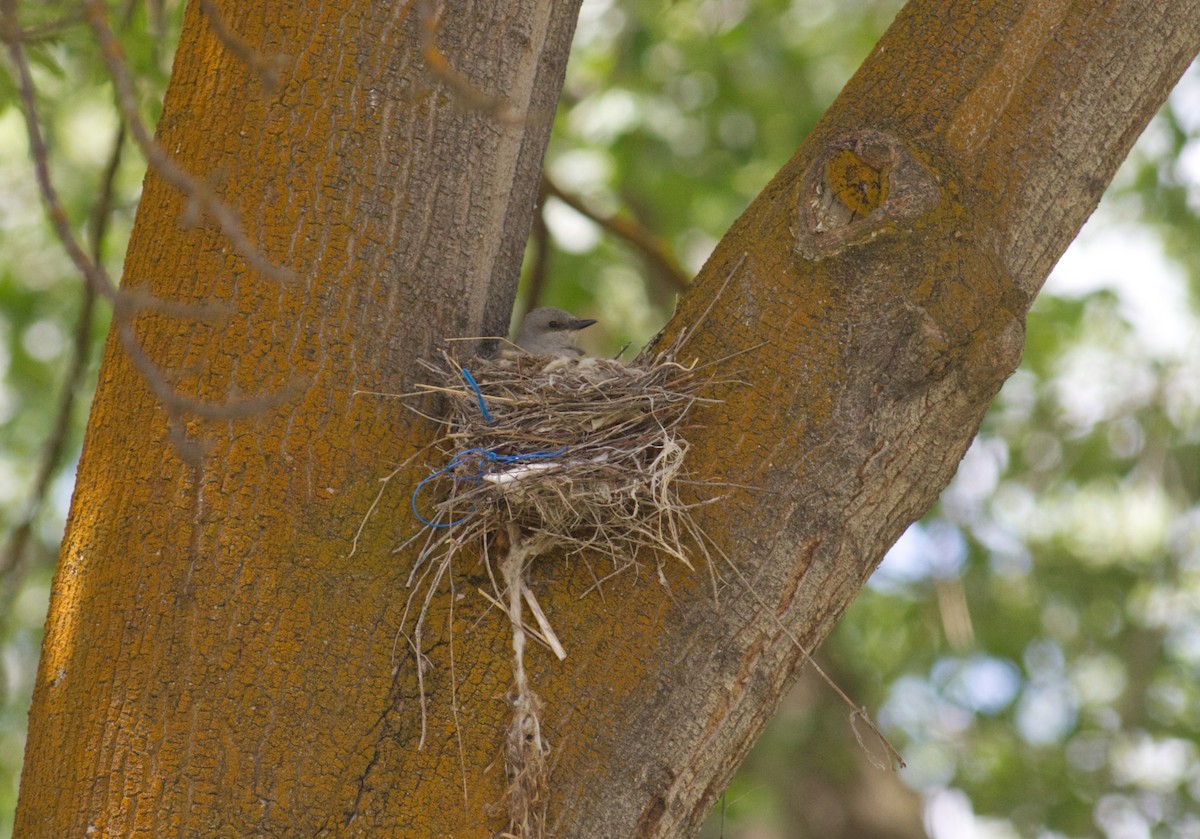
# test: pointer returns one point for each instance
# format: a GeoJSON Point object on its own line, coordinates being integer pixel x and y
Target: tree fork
{"type": "Point", "coordinates": [214, 662]}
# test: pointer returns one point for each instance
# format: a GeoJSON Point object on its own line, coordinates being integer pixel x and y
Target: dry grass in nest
{"type": "Point", "coordinates": [577, 457]}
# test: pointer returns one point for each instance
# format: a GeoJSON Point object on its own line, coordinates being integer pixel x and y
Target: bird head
{"type": "Point", "coordinates": [550, 331]}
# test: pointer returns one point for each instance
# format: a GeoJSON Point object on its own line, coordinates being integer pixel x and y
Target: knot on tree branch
{"type": "Point", "coordinates": [863, 184]}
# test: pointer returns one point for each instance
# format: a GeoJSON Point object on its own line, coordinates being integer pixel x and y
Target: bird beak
{"type": "Point", "coordinates": [579, 324]}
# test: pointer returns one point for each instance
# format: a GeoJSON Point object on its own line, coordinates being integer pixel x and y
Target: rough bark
{"type": "Point", "coordinates": [216, 663]}
{"type": "Point", "coordinates": [883, 278]}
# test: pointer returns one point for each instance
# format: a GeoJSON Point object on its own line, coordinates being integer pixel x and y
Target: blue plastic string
{"type": "Point", "coordinates": [487, 417]}
{"type": "Point", "coordinates": [487, 457]}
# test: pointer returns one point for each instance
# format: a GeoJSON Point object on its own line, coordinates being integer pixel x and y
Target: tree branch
{"type": "Point", "coordinates": [654, 251]}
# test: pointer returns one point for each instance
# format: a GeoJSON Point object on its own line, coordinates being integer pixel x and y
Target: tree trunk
{"type": "Point", "coordinates": [217, 662]}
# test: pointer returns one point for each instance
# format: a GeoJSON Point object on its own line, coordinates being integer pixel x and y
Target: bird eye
{"type": "Point", "coordinates": [554, 324]}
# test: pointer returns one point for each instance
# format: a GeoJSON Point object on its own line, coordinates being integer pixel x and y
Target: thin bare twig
{"type": "Point", "coordinates": [45, 31]}
{"type": "Point", "coordinates": [52, 450]}
{"type": "Point", "coordinates": [267, 68]}
{"type": "Point", "coordinates": [466, 93]}
{"type": "Point", "coordinates": [92, 272]}
{"type": "Point", "coordinates": [195, 189]}
{"type": "Point", "coordinates": [125, 303]}
{"type": "Point", "coordinates": [654, 251]}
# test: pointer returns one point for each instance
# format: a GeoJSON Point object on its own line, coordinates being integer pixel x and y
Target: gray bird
{"type": "Point", "coordinates": [550, 331]}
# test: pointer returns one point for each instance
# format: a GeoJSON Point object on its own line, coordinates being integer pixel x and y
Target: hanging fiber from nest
{"type": "Point", "coordinates": [553, 455]}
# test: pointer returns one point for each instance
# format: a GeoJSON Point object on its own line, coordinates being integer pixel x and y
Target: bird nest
{"type": "Point", "coordinates": [578, 455]}
{"type": "Point", "coordinates": [550, 454]}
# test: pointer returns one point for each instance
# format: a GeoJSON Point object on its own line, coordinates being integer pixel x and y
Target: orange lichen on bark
{"type": "Point", "coordinates": [218, 663]}
{"type": "Point", "coordinates": [859, 184]}
{"type": "Point", "coordinates": [975, 118]}
{"type": "Point", "coordinates": [215, 663]}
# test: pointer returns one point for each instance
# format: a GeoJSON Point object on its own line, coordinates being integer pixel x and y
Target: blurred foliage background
{"type": "Point", "coordinates": [1032, 647]}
